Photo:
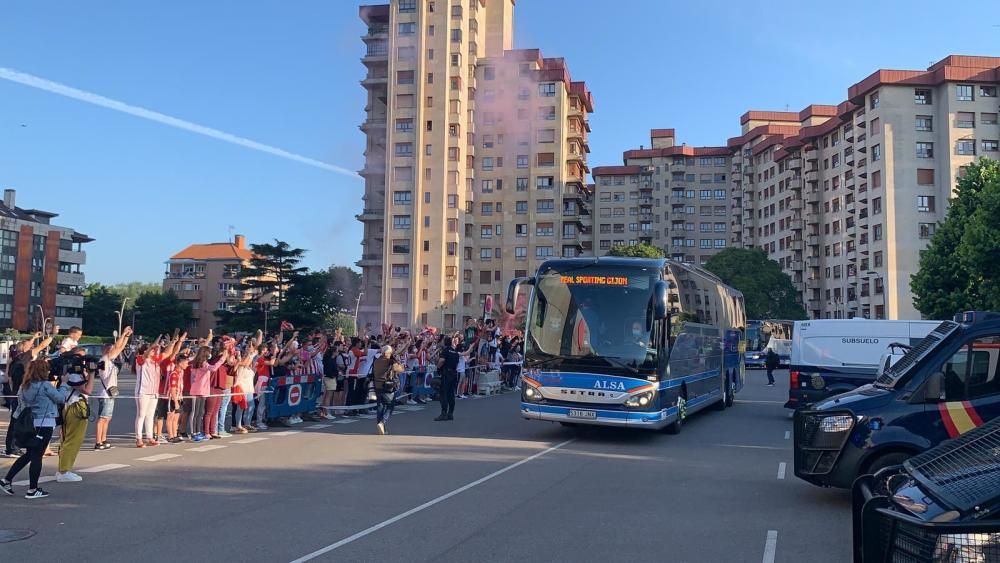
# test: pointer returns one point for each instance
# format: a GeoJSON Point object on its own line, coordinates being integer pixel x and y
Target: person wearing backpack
{"type": "Point", "coordinates": [34, 421]}
{"type": "Point", "coordinates": [385, 372]}
{"type": "Point", "coordinates": [771, 363]}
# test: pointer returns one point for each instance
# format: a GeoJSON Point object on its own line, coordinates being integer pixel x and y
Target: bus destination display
{"type": "Point", "coordinates": [595, 280]}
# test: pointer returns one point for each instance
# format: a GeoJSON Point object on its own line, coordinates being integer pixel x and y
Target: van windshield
{"type": "Point", "coordinates": [895, 373]}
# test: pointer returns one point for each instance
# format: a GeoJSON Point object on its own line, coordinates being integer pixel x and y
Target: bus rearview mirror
{"type": "Point", "coordinates": [512, 292]}
{"type": "Point", "coordinates": [660, 300]}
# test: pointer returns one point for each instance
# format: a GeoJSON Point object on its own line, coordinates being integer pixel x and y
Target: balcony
{"type": "Point", "coordinates": [73, 256]}
{"type": "Point", "coordinates": [73, 301]}
{"type": "Point", "coordinates": [795, 183]}
{"type": "Point", "coordinates": [374, 123]}
{"type": "Point", "coordinates": [70, 278]}
{"type": "Point", "coordinates": [377, 53]}
{"type": "Point", "coordinates": [795, 224]}
{"type": "Point", "coordinates": [796, 266]}
{"type": "Point", "coordinates": [795, 205]}
{"type": "Point", "coordinates": [813, 240]}
{"type": "Point", "coordinates": [188, 294]}
{"type": "Point", "coordinates": [369, 260]}
{"type": "Point", "coordinates": [371, 215]}
{"type": "Point", "coordinates": [794, 163]}
{"type": "Point", "coordinates": [812, 261]}
{"type": "Point", "coordinates": [812, 175]}
{"type": "Point", "coordinates": [377, 31]}
{"type": "Point", "coordinates": [748, 169]}
{"type": "Point", "coordinates": [380, 82]}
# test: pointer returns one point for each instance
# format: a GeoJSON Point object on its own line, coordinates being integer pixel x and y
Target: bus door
{"type": "Point", "coordinates": [733, 363]}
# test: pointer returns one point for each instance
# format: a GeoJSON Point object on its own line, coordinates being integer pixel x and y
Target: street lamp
{"type": "Point", "coordinates": [357, 307]}
{"type": "Point", "coordinates": [879, 277]}
{"type": "Point", "coordinates": [121, 312]}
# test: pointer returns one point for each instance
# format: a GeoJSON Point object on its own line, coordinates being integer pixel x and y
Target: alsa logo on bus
{"type": "Point", "coordinates": [609, 385]}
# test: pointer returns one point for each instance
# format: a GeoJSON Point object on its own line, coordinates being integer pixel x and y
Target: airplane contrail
{"type": "Point", "coordinates": [98, 100]}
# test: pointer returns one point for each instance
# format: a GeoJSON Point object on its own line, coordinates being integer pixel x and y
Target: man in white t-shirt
{"type": "Point", "coordinates": [72, 340]}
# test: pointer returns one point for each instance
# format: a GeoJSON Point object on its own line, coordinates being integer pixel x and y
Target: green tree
{"type": "Point", "coordinates": [638, 251]}
{"type": "Point", "coordinates": [310, 301]}
{"type": "Point", "coordinates": [100, 307]}
{"type": "Point", "coordinates": [959, 269]}
{"type": "Point", "coordinates": [767, 291]}
{"type": "Point", "coordinates": [133, 290]}
{"type": "Point", "coordinates": [272, 269]}
{"type": "Point", "coordinates": [345, 287]}
{"type": "Point", "coordinates": [160, 313]}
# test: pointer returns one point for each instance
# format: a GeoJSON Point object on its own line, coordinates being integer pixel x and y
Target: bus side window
{"type": "Point", "coordinates": [971, 372]}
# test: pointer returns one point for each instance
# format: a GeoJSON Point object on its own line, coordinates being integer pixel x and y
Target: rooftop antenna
{"type": "Point", "coordinates": [232, 230]}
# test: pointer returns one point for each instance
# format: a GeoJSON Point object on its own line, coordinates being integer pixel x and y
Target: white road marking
{"type": "Point", "coordinates": [159, 457]}
{"type": "Point", "coordinates": [750, 447]}
{"type": "Point", "coordinates": [102, 468]}
{"type": "Point", "coordinates": [345, 421]}
{"type": "Point", "coordinates": [781, 470]}
{"type": "Point", "coordinates": [287, 433]}
{"type": "Point", "coordinates": [206, 448]}
{"type": "Point", "coordinates": [367, 416]}
{"type": "Point", "coordinates": [248, 441]}
{"type": "Point", "coordinates": [318, 426]}
{"type": "Point", "coordinates": [770, 546]}
{"type": "Point", "coordinates": [760, 402]}
{"type": "Point", "coordinates": [25, 483]}
{"type": "Point", "coordinates": [788, 434]}
{"type": "Point", "coordinates": [428, 504]}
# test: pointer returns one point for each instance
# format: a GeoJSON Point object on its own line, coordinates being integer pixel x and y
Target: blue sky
{"type": "Point", "coordinates": [286, 74]}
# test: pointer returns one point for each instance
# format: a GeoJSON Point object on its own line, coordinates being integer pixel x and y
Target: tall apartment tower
{"type": "Point", "coordinates": [671, 196]}
{"type": "Point", "coordinates": [845, 197]}
{"type": "Point", "coordinates": [470, 144]}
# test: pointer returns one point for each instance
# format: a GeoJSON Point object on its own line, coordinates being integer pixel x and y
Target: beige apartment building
{"type": "Point", "coordinates": [845, 197]}
{"type": "Point", "coordinates": [207, 277]}
{"type": "Point", "coordinates": [672, 196]}
{"type": "Point", "coordinates": [475, 165]}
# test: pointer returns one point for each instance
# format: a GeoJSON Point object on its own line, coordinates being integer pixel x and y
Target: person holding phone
{"type": "Point", "coordinates": [106, 389]}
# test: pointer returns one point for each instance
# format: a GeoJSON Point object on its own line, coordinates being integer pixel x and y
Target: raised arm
{"type": "Point", "coordinates": [119, 346]}
{"type": "Point", "coordinates": [44, 344]}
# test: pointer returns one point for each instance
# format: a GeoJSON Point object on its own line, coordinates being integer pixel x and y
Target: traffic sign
{"type": "Point", "coordinates": [294, 395]}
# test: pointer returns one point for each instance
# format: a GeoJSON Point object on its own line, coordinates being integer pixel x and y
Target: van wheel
{"type": "Point", "coordinates": [887, 460]}
{"type": "Point", "coordinates": [676, 426]}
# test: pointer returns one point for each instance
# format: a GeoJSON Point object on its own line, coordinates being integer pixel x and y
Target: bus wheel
{"type": "Point", "coordinates": [723, 402]}
{"type": "Point", "coordinates": [676, 426]}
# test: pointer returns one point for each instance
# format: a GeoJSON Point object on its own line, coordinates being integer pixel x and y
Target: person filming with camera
{"type": "Point", "coordinates": [386, 370]}
{"type": "Point", "coordinates": [38, 402]}
{"type": "Point", "coordinates": [77, 370]}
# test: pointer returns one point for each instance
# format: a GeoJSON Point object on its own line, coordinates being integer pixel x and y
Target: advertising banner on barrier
{"type": "Point", "coordinates": [293, 394]}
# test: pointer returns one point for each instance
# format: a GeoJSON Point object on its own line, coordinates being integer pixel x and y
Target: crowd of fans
{"type": "Point", "coordinates": [213, 387]}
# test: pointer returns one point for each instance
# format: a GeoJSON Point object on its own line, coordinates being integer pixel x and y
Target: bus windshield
{"type": "Point", "coordinates": [594, 311]}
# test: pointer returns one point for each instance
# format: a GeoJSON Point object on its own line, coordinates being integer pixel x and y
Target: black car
{"type": "Point", "coordinates": [943, 387]}
{"type": "Point", "coordinates": [942, 505]}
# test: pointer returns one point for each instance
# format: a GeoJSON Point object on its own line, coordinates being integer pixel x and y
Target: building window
{"type": "Point", "coordinates": [520, 252]}
{"type": "Point", "coordinates": [925, 150]}
{"type": "Point", "coordinates": [963, 92]}
{"type": "Point", "coordinates": [521, 207]}
{"type": "Point", "coordinates": [965, 147]}
{"type": "Point", "coordinates": [401, 222]}
{"type": "Point", "coordinates": [522, 161]}
{"type": "Point", "coordinates": [876, 206]}
{"type": "Point", "coordinates": [547, 89]}
{"type": "Point", "coordinates": [402, 197]}
{"type": "Point", "coordinates": [544, 182]}
{"type": "Point", "coordinates": [486, 208]}
{"type": "Point", "coordinates": [720, 243]}
{"type": "Point", "coordinates": [456, 35]}
{"type": "Point", "coordinates": [925, 176]}
{"type": "Point", "coordinates": [876, 153]}
{"type": "Point", "coordinates": [925, 123]}
{"type": "Point", "coordinates": [965, 119]}
{"type": "Point", "coordinates": [545, 159]}
{"type": "Point", "coordinates": [873, 100]}
{"type": "Point", "coordinates": [407, 28]}
{"type": "Point", "coordinates": [543, 251]}
{"type": "Point", "coordinates": [404, 149]}
{"type": "Point", "coordinates": [544, 230]}
{"type": "Point", "coordinates": [487, 186]}
{"type": "Point", "coordinates": [988, 118]}
{"type": "Point", "coordinates": [486, 231]}
{"type": "Point", "coordinates": [545, 206]}
{"type": "Point", "coordinates": [522, 184]}
{"type": "Point", "coordinates": [988, 91]}
{"type": "Point", "coordinates": [877, 259]}
{"type": "Point", "coordinates": [452, 225]}
{"type": "Point", "coordinates": [990, 145]}
{"type": "Point", "coordinates": [545, 135]}
{"type": "Point", "coordinates": [485, 254]}
{"type": "Point", "coordinates": [925, 203]}
{"type": "Point", "coordinates": [922, 97]}
{"type": "Point", "coordinates": [548, 113]}
{"type": "Point", "coordinates": [877, 232]}
{"type": "Point", "coordinates": [406, 53]}
{"type": "Point", "coordinates": [407, 6]}
{"type": "Point", "coordinates": [400, 270]}
{"type": "Point", "coordinates": [452, 201]}
{"type": "Point", "coordinates": [404, 125]}
{"type": "Point", "coordinates": [926, 230]}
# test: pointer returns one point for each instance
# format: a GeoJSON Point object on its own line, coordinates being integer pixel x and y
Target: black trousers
{"type": "Point", "coordinates": [33, 456]}
{"type": "Point", "coordinates": [357, 390]}
{"type": "Point", "coordinates": [449, 385]}
{"type": "Point", "coordinates": [770, 376]}
{"type": "Point", "coordinates": [9, 440]}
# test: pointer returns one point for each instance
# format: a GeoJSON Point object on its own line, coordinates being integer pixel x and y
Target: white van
{"type": "Point", "coordinates": [831, 356]}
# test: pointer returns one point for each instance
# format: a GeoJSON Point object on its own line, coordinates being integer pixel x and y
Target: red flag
{"type": "Point", "coordinates": [285, 325]}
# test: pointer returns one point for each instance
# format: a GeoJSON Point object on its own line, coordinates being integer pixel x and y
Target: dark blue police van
{"type": "Point", "coordinates": [946, 385]}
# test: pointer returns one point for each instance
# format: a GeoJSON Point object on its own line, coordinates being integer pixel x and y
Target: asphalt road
{"type": "Point", "coordinates": [487, 487]}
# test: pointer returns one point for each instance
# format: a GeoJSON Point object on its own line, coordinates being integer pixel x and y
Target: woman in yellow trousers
{"type": "Point", "coordinates": [76, 417]}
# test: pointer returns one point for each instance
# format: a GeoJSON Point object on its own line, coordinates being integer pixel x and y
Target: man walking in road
{"type": "Point", "coordinates": [385, 371]}
{"type": "Point", "coordinates": [448, 368]}
{"type": "Point", "coordinates": [771, 363]}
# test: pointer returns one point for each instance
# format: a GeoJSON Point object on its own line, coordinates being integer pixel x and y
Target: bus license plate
{"type": "Point", "coordinates": [582, 414]}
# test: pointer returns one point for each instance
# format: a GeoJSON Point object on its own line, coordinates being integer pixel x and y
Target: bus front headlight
{"type": "Point", "coordinates": [640, 400]}
{"type": "Point", "coordinates": [532, 394]}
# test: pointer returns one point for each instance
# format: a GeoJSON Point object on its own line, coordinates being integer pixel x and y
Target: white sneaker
{"type": "Point", "coordinates": [329, 416]}
{"type": "Point", "coordinates": [261, 426]}
{"type": "Point", "coordinates": [411, 402]}
{"type": "Point", "coordinates": [380, 429]}
{"type": "Point", "coordinates": [68, 477]}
